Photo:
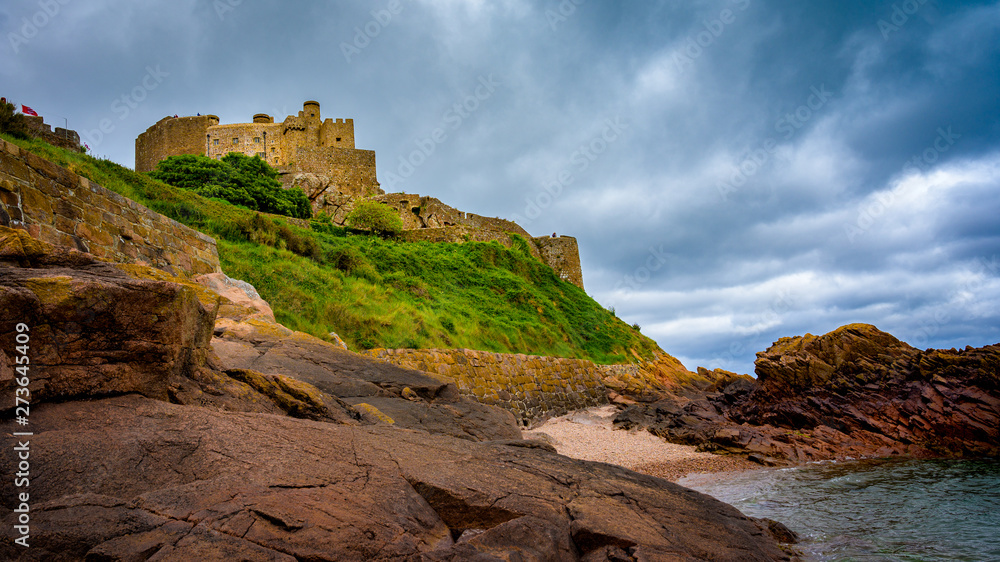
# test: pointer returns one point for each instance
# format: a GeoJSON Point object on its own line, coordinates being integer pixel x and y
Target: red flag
{"type": "Point", "coordinates": [28, 111]}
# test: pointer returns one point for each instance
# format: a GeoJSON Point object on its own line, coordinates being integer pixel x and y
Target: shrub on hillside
{"type": "Point", "coordinates": [376, 217]}
{"type": "Point", "coordinates": [12, 122]}
{"type": "Point", "coordinates": [260, 229]}
{"type": "Point", "coordinates": [242, 180]}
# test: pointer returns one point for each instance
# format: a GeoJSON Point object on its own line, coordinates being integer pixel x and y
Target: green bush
{"type": "Point", "coordinates": [12, 122]}
{"type": "Point", "coordinates": [242, 180]}
{"type": "Point", "coordinates": [376, 217]}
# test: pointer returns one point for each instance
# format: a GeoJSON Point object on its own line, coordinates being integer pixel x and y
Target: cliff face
{"type": "Point", "coordinates": [854, 392]}
{"type": "Point", "coordinates": [170, 422]}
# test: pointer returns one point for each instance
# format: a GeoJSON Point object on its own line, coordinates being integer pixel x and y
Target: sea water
{"type": "Point", "coordinates": [875, 510]}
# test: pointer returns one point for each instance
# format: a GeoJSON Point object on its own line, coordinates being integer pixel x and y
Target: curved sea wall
{"type": "Point", "coordinates": [533, 387]}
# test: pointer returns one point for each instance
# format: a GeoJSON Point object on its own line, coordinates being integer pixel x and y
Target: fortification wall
{"type": "Point", "coordinates": [60, 207]}
{"type": "Point", "coordinates": [172, 136]}
{"type": "Point", "coordinates": [492, 223]}
{"type": "Point", "coordinates": [63, 138]}
{"type": "Point", "coordinates": [429, 212]}
{"type": "Point", "coordinates": [563, 255]}
{"type": "Point", "coordinates": [533, 387]}
{"type": "Point", "coordinates": [350, 171]}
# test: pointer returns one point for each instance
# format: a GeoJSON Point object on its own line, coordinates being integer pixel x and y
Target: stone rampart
{"type": "Point", "coordinates": [563, 255]}
{"type": "Point", "coordinates": [57, 206]}
{"type": "Point", "coordinates": [533, 387]}
{"type": "Point", "coordinates": [63, 138]}
{"type": "Point", "coordinates": [536, 387]}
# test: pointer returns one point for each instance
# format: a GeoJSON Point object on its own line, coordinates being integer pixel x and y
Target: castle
{"type": "Point", "coordinates": [320, 158]}
{"type": "Point", "coordinates": [301, 144]}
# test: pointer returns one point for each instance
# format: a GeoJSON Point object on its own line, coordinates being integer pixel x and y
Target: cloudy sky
{"type": "Point", "coordinates": [735, 170]}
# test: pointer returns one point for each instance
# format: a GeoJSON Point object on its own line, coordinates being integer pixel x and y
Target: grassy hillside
{"type": "Point", "coordinates": [375, 292]}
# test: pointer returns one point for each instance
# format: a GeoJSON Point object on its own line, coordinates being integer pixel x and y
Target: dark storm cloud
{"type": "Point", "coordinates": [735, 170]}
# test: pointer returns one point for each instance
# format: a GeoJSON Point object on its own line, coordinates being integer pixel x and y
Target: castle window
{"type": "Point", "coordinates": [256, 140]}
{"type": "Point", "coordinates": [215, 142]}
{"type": "Point", "coordinates": [272, 150]}
{"type": "Point", "coordinates": [236, 141]}
{"type": "Point", "coordinates": [261, 155]}
{"type": "Point", "coordinates": [338, 139]}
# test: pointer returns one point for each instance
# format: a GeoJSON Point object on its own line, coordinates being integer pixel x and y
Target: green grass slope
{"type": "Point", "coordinates": [377, 292]}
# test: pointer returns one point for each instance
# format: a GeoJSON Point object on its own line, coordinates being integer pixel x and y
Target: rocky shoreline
{"type": "Point", "coordinates": [170, 422]}
{"type": "Point", "coordinates": [203, 429]}
{"type": "Point", "coordinates": [856, 392]}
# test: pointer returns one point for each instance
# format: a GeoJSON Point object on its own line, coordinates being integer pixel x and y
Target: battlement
{"type": "Point", "coordinates": [277, 143]}
{"type": "Point", "coordinates": [64, 138]}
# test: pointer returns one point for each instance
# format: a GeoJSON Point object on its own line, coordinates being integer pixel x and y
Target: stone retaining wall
{"type": "Point", "coordinates": [59, 207]}
{"type": "Point", "coordinates": [533, 387]}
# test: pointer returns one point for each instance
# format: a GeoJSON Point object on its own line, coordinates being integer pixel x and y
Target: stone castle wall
{"type": "Point", "coordinates": [533, 387]}
{"type": "Point", "coordinates": [279, 144]}
{"type": "Point", "coordinates": [172, 136]}
{"type": "Point", "coordinates": [429, 212]}
{"type": "Point", "coordinates": [62, 208]}
{"type": "Point", "coordinates": [563, 255]}
{"type": "Point", "coordinates": [63, 138]}
{"type": "Point", "coordinates": [348, 171]}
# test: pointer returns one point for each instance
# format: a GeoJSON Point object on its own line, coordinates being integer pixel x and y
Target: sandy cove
{"type": "Point", "coordinates": [589, 435]}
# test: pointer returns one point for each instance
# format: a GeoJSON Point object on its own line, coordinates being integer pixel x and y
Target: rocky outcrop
{"type": "Point", "coordinates": [854, 392]}
{"type": "Point", "coordinates": [141, 479]}
{"type": "Point", "coordinates": [170, 423]}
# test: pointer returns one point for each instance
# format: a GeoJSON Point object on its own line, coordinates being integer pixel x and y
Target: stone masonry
{"type": "Point", "coordinates": [57, 206]}
{"type": "Point", "coordinates": [536, 387]}
{"type": "Point", "coordinates": [533, 387]}
{"type": "Point", "coordinates": [301, 144]}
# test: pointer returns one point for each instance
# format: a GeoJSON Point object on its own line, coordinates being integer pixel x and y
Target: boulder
{"type": "Point", "coordinates": [239, 293]}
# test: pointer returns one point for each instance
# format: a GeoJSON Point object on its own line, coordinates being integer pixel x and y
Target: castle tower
{"type": "Point", "coordinates": [337, 134]}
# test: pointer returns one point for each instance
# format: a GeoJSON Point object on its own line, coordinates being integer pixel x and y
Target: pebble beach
{"type": "Point", "coordinates": [589, 435]}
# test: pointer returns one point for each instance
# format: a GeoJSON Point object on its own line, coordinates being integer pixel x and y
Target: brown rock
{"type": "Point", "coordinates": [139, 478]}
{"type": "Point", "coordinates": [854, 392]}
{"type": "Point", "coordinates": [240, 293]}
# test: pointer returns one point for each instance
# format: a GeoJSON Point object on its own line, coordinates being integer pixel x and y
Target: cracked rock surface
{"type": "Point", "coordinates": [170, 423]}
{"type": "Point", "coordinates": [132, 478]}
